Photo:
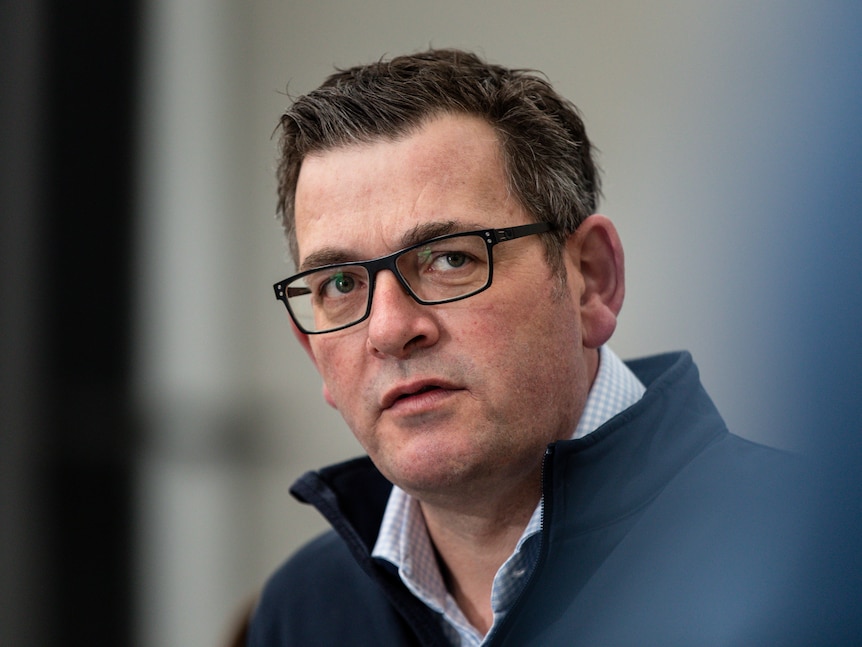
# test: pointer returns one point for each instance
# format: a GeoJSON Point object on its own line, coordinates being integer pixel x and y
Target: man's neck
{"type": "Point", "coordinates": [471, 548]}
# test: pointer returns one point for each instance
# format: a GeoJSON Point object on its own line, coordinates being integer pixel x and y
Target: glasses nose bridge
{"type": "Point", "coordinates": [390, 263]}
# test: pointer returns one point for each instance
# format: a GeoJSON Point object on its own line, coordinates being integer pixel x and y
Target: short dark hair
{"type": "Point", "coordinates": [548, 157]}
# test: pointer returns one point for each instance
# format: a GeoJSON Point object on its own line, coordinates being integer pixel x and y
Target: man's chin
{"type": "Point", "coordinates": [427, 477]}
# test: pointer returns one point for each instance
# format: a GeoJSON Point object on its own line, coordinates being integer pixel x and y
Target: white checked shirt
{"type": "Point", "coordinates": [403, 539]}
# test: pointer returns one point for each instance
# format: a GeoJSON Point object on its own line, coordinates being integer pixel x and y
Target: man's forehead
{"type": "Point", "coordinates": [369, 199]}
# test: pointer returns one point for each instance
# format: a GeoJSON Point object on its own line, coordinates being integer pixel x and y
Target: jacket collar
{"type": "Point", "coordinates": [626, 462]}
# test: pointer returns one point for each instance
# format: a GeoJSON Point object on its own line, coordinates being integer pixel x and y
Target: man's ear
{"type": "Point", "coordinates": [597, 254]}
{"type": "Point", "coordinates": [305, 342]}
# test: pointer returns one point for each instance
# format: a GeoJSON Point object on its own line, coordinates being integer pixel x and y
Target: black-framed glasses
{"type": "Point", "coordinates": [440, 270]}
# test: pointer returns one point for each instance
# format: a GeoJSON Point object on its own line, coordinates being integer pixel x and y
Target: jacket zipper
{"type": "Point", "coordinates": [544, 524]}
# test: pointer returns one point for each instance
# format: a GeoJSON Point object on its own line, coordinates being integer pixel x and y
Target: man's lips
{"type": "Point", "coordinates": [414, 388]}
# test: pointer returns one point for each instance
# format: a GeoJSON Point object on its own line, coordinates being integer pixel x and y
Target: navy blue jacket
{"type": "Point", "coordinates": [659, 528]}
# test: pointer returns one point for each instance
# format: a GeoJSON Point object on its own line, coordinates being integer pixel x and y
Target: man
{"type": "Point", "coordinates": [456, 290]}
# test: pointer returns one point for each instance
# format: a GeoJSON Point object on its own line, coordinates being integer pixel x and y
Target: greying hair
{"type": "Point", "coordinates": [548, 159]}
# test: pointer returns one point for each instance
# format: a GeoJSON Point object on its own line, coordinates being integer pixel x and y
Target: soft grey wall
{"type": "Point", "coordinates": [707, 115]}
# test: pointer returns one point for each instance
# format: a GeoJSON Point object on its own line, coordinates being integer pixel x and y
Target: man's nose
{"type": "Point", "coordinates": [398, 325]}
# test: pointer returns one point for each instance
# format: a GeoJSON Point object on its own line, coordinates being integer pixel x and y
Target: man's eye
{"type": "Point", "coordinates": [455, 259]}
{"type": "Point", "coordinates": [441, 261]}
{"type": "Point", "coordinates": [338, 284]}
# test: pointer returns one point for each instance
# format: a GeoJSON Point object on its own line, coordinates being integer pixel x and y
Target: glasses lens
{"type": "Point", "coordinates": [329, 298]}
{"type": "Point", "coordinates": [442, 270]}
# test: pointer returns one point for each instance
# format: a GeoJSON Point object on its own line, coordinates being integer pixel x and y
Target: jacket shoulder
{"type": "Point", "coordinates": [320, 596]}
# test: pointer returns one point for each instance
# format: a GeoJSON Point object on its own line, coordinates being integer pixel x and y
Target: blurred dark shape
{"type": "Point", "coordinates": [68, 78]}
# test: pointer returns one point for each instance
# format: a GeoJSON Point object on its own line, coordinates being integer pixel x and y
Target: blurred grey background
{"type": "Point", "coordinates": [155, 408]}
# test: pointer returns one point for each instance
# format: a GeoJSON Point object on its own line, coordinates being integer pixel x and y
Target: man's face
{"type": "Point", "coordinates": [452, 398]}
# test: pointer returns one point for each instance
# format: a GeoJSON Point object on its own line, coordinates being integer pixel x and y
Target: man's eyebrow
{"type": "Point", "coordinates": [326, 256]}
{"type": "Point", "coordinates": [413, 236]}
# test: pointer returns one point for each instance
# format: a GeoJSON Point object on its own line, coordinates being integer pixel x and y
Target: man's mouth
{"type": "Point", "coordinates": [409, 391]}
{"type": "Point", "coordinates": [424, 389]}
